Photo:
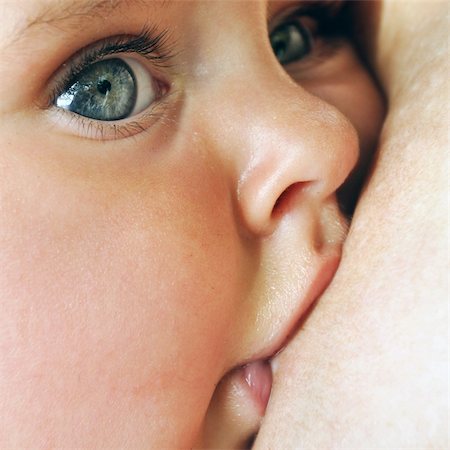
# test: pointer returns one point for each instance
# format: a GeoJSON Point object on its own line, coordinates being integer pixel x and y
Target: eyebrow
{"type": "Point", "coordinates": [71, 14]}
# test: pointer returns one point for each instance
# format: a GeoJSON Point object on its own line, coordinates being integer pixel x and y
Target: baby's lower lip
{"type": "Point", "coordinates": [258, 377]}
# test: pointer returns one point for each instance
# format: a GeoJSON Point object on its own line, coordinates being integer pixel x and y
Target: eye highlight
{"type": "Point", "coordinates": [114, 88]}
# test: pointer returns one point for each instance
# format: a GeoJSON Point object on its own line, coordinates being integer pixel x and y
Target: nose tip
{"type": "Point", "coordinates": [290, 172]}
{"type": "Point", "coordinates": [305, 160]}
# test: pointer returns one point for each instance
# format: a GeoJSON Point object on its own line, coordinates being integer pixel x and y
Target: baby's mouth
{"type": "Point", "coordinates": [242, 396]}
{"type": "Point", "coordinates": [238, 406]}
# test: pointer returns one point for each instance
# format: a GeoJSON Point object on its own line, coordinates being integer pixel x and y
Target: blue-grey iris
{"type": "Point", "coordinates": [106, 90]}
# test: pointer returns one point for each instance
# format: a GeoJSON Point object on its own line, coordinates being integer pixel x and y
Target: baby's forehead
{"type": "Point", "coordinates": [21, 18]}
{"type": "Point", "coordinates": [30, 25]}
{"type": "Point", "coordinates": [24, 16]}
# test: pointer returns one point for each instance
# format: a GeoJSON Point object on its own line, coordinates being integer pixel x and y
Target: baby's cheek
{"type": "Point", "coordinates": [115, 314]}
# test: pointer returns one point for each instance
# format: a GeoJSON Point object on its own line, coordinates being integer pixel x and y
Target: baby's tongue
{"type": "Point", "coordinates": [258, 376]}
{"type": "Point", "coordinates": [238, 404]}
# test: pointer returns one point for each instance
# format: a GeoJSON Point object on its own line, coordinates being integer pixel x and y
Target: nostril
{"type": "Point", "coordinates": [289, 197]}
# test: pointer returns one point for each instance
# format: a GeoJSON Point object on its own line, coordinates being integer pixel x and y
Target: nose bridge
{"type": "Point", "coordinates": [276, 135]}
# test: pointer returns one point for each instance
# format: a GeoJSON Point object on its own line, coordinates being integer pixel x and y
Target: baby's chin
{"type": "Point", "coordinates": [237, 407]}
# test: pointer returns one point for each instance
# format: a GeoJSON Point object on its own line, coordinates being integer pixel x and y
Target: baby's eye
{"type": "Point", "coordinates": [290, 41]}
{"type": "Point", "coordinates": [316, 29]}
{"type": "Point", "coordinates": [110, 89]}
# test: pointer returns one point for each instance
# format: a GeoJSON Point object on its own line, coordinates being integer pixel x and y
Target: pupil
{"type": "Point", "coordinates": [104, 86]}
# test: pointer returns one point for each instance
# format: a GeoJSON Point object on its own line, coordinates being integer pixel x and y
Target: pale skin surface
{"type": "Point", "coordinates": [136, 272]}
{"type": "Point", "coordinates": [369, 368]}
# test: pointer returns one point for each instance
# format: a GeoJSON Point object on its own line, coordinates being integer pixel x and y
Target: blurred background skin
{"type": "Point", "coordinates": [369, 367]}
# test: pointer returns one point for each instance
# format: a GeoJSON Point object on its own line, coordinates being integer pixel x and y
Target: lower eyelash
{"type": "Point", "coordinates": [112, 130]}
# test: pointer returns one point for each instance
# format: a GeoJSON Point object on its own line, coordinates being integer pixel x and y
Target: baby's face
{"type": "Point", "coordinates": [168, 174]}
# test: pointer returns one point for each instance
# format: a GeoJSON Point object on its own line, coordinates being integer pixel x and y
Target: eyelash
{"type": "Point", "coordinates": [331, 17]}
{"type": "Point", "coordinates": [153, 46]}
{"type": "Point", "coordinates": [150, 44]}
{"type": "Point", "coordinates": [332, 21]}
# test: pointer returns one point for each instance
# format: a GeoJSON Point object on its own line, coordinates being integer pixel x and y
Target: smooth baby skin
{"type": "Point", "coordinates": [146, 259]}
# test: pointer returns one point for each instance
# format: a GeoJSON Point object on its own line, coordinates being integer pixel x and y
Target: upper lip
{"type": "Point", "coordinates": [323, 268]}
{"type": "Point", "coordinates": [327, 267]}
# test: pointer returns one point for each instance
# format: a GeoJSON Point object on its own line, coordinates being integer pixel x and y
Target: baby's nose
{"type": "Point", "coordinates": [279, 143]}
{"type": "Point", "coordinates": [286, 153]}
{"type": "Point", "coordinates": [298, 151]}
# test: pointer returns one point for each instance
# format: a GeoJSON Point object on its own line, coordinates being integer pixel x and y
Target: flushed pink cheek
{"type": "Point", "coordinates": [115, 314]}
{"type": "Point", "coordinates": [125, 351]}
{"type": "Point", "coordinates": [101, 339]}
